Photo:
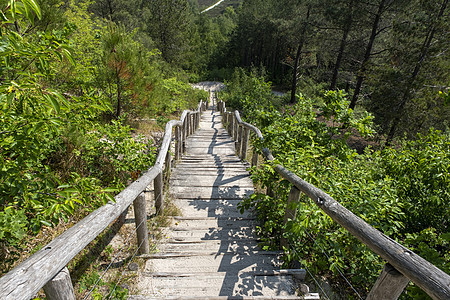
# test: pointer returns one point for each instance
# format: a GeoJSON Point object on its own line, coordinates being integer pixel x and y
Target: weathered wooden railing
{"type": "Point", "coordinates": [402, 265]}
{"type": "Point", "coordinates": [47, 267]}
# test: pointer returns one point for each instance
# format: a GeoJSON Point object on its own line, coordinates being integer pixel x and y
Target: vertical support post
{"type": "Point", "coordinates": [239, 139]}
{"type": "Point", "coordinates": [60, 287]}
{"type": "Point", "coordinates": [254, 159]}
{"type": "Point", "coordinates": [245, 143]}
{"type": "Point", "coordinates": [177, 142]}
{"type": "Point", "coordinates": [290, 212]}
{"type": "Point", "coordinates": [194, 122]}
{"type": "Point", "coordinates": [186, 122]}
{"type": "Point", "coordinates": [140, 217]}
{"type": "Point", "coordinates": [159, 187]}
{"type": "Point", "coordinates": [168, 164]}
{"type": "Point", "coordinates": [231, 126]}
{"type": "Point", "coordinates": [184, 133]}
{"type": "Point", "coordinates": [270, 192]}
{"type": "Point", "coordinates": [389, 285]}
{"type": "Point", "coordinates": [235, 128]}
{"type": "Point", "coordinates": [191, 123]}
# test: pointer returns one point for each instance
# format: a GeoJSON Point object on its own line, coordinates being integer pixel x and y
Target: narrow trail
{"type": "Point", "coordinates": [211, 251]}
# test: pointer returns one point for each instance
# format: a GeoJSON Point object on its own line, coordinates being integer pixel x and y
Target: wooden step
{"type": "Point", "coordinates": [216, 208]}
{"type": "Point", "coordinates": [217, 192]}
{"type": "Point", "coordinates": [211, 251]}
{"type": "Point", "coordinates": [140, 297]}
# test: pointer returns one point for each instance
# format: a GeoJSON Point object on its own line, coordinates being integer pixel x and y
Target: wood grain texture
{"type": "Point", "coordinates": [389, 285]}
{"type": "Point", "coordinates": [60, 287]}
{"type": "Point", "coordinates": [290, 213]}
{"type": "Point", "coordinates": [140, 216]}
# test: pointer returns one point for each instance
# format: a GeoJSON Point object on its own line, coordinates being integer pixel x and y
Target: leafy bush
{"type": "Point", "coordinates": [52, 143]}
{"type": "Point", "coordinates": [402, 192]}
{"type": "Point", "coordinates": [110, 153]}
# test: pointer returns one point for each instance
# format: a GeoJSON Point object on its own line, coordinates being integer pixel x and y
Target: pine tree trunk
{"type": "Point", "coordinates": [337, 65]}
{"type": "Point", "coordinates": [297, 56]}
{"type": "Point", "coordinates": [362, 71]}
{"type": "Point", "coordinates": [407, 94]}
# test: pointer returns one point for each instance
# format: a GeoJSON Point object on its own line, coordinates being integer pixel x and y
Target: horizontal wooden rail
{"type": "Point", "coordinates": [25, 280]}
{"type": "Point", "coordinates": [435, 282]}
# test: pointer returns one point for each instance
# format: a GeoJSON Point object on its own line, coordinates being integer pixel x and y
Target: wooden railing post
{"type": "Point", "coordinates": [177, 143]}
{"type": "Point", "coordinates": [245, 137]}
{"type": "Point", "coordinates": [159, 187]}
{"type": "Point", "coordinates": [289, 213]}
{"type": "Point", "coordinates": [254, 159]}
{"type": "Point", "coordinates": [192, 125]}
{"type": "Point", "coordinates": [140, 217]}
{"type": "Point", "coordinates": [194, 122]}
{"type": "Point", "coordinates": [231, 125]}
{"type": "Point", "coordinates": [60, 287]}
{"type": "Point", "coordinates": [184, 133]}
{"type": "Point", "coordinates": [187, 125]}
{"type": "Point", "coordinates": [239, 139]}
{"type": "Point", "coordinates": [389, 285]}
{"type": "Point", "coordinates": [168, 164]}
{"type": "Point", "coordinates": [235, 128]}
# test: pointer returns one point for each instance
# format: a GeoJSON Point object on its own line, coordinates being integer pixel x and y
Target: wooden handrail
{"type": "Point", "coordinates": [26, 279]}
{"type": "Point", "coordinates": [435, 282]}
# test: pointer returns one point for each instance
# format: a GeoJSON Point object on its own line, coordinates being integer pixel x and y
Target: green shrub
{"type": "Point", "coordinates": [402, 192]}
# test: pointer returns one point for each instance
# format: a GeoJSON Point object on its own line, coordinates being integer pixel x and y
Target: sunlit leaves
{"type": "Point", "coordinates": [402, 192]}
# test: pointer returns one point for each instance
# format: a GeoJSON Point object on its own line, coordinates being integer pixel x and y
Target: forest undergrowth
{"type": "Point", "coordinates": [403, 191]}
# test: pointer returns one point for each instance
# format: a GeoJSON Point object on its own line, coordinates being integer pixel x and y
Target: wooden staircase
{"type": "Point", "coordinates": [211, 251]}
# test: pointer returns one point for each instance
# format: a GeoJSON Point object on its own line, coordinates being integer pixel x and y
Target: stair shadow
{"type": "Point", "coordinates": [240, 267]}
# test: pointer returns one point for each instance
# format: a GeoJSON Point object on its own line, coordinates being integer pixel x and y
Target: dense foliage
{"type": "Point", "coordinates": [69, 83]}
{"type": "Point", "coordinates": [390, 56]}
{"type": "Point", "coordinates": [403, 192]}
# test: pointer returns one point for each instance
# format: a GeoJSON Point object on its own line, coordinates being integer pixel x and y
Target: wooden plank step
{"type": "Point", "coordinates": [212, 161]}
{"type": "Point", "coordinates": [186, 166]}
{"type": "Point", "coordinates": [228, 239]}
{"type": "Point", "coordinates": [214, 208]}
{"type": "Point", "coordinates": [241, 241]}
{"type": "Point", "coordinates": [227, 284]}
{"type": "Point", "coordinates": [220, 219]}
{"type": "Point", "coordinates": [222, 192]}
{"type": "Point", "coordinates": [241, 180]}
{"type": "Point", "coordinates": [211, 245]}
{"type": "Point", "coordinates": [208, 224]}
{"type": "Point", "coordinates": [213, 263]}
{"type": "Point", "coordinates": [222, 172]}
{"type": "Point", "coordinates": [141, 297]}
{"type": "Point", "coordinates": [214, 143]}
{"type": "Point", "coordinates": [211, 233]}
{"type": "Point", "coordinates": [186, 171]}
{"type": "Point", "coordinates": [247, 252]}
{"type": "Point", "coordinates": [204, 157]}
{"type": "Point", "coordinates": [218, 151]}
{"type": "Point", "coordinates": [297, 273]}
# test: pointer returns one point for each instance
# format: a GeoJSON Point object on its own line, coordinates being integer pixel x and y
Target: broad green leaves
{"type": "Point", "coordinates": [22, 7]}
{"type": "Point", "coordinates": [403, 192]}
